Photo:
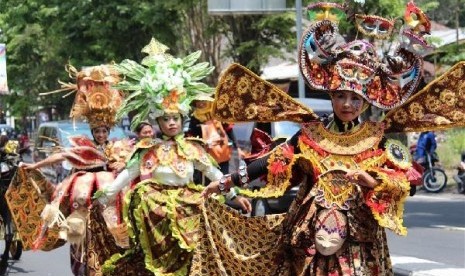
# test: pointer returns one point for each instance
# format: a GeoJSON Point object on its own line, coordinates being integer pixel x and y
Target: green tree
{"type": "Point", "coordinates": [44, 35]}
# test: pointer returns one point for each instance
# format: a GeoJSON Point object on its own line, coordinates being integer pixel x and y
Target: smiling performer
{"type": "Point", "coordinates": [353, 181]}
{"type": "Point", "coordinates": [162, 212]}
{"type": "Point", "coordinates": [94, 161]}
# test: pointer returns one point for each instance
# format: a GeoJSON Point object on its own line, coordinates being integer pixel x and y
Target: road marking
{"type": "Point", "coordinates": [445, 197]}
{"type": "Point", "coordinates": [404, 265]}
{"type": "Point", "coordinates": [447, 227]}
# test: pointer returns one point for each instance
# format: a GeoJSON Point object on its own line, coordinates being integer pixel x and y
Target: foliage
{"type": "Point", "coordinates": [253, 39]}
{"type": "Point", "coordinates": [449, 151]}
{"type": "Point", "coordinates": [44, 35]}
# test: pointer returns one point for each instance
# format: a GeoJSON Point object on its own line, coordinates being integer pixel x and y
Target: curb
{"type": "Point", "coordinates": [411, 266]}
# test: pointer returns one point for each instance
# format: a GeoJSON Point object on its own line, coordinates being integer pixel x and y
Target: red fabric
{"type": "Point", "coordinates": [261, 144]}
{"type": "Point", "coordinates": [414, 174]}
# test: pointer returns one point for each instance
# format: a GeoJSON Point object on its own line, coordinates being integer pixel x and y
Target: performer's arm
{"type": "Point", "coordinates": [52, 159]}
{"type": "Point", "coordinates": [109, 191]}
{"type": "Point", "coordinates": [248, 173]}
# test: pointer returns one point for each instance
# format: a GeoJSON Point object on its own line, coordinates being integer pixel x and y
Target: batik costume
{"type": "Point", "coordinates": [98, 233]}
{"type": "Point", "coordinates": [162, 213]}
{"type": "Point", "coordinates": [321, 153]}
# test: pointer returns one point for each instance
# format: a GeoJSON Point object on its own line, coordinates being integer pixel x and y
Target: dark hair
{"type": "Point", "coordinates": [141, 125]}
{"type": "Point", "coordinates": [3, 140]}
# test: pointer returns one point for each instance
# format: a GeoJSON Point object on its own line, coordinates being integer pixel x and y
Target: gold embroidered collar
{"type": "Point", "coordinates": [366, 136]}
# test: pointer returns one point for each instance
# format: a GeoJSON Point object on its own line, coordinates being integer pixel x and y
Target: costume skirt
{"type": "Point", "coordinates": [163, 224]}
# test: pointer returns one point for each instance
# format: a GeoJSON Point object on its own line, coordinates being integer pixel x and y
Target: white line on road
{"type": "Point", "coordinates": [404, 265]}
{"type": "Point", "coordinates": [447, 227]}
{"type": "Point", "coordinates": [435, 197]}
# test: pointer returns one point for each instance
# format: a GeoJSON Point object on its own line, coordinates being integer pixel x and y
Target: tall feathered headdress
{"type": "Point", "coordinates": [162, 83]}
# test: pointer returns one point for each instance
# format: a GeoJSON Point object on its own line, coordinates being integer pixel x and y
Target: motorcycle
{"type": "Point", "coordinates": [434, 178]}
{"type": "Point", "coordinates": [9, 161]}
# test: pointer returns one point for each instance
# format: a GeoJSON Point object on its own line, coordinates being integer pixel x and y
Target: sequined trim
{"type": "Point", "coordinates": [367, 136]}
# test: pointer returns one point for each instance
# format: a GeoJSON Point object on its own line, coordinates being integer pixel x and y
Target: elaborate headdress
{"type": "Point", "coordinates": [388, 82]}
{"type": "Point", "coordinates": [162, 83]}
{"type": "Point", "coordinates": [384, 81]}
{"type": "Point", "coordinates": [96, 100]}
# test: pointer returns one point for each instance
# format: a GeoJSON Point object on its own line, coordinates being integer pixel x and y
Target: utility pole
{"type": "Point", "coordinates": [298, 8]}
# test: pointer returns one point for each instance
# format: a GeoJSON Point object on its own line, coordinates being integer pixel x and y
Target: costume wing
{"type": "Point", "coordinates": [242, 96]}
{"type": "Point", "coordinates": [439, 105]}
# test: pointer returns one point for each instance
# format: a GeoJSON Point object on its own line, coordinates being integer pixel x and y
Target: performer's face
{"type": "Point", "coordinates": [170, 124]}
{"type": "Point", "coordinates": [347, 105]}
{"type": "Point", "coordinates": [146, 132]}
{"type": "Point", "coordinates": [100, 135]}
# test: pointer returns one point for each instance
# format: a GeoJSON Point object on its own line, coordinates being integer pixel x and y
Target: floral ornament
{"type": "Point", "coordinates": [162, 83]}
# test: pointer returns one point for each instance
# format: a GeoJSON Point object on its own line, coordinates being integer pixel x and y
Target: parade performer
{"type": "Point", "coordinates": [162, 213]}
{"type": "Point", "coordinates": [96, 236]}
{"type": "Point", "coordinates": [353, 181]}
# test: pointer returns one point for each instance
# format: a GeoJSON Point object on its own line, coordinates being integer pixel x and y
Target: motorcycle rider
{"type": "Point", "coordinates": [426, 145]}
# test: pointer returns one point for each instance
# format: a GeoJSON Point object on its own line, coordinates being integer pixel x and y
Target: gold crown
{"type": "Point", "coordinates": [96, 99]}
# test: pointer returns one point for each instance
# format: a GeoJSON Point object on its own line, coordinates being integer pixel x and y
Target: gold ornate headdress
{"type": "Point", "coordinates": [96, 100]}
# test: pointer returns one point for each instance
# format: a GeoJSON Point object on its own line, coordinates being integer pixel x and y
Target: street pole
{"type": "Point", "coordinates": [298, 8]}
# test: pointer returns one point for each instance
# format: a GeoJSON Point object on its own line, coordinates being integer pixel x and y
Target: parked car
{"type": "Point", "coordinates": [283, 129]}
{"type": "Point", "coordinates": [8, 130]}
{"type": "Point", "coordinates": [52, 135]}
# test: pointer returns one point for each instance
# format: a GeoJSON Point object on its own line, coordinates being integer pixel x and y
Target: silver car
{"type": "Point", "coordinates": [51, 136]}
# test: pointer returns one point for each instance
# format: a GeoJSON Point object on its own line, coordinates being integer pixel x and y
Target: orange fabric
{"type": "Point", "coordinates": [217, 140]}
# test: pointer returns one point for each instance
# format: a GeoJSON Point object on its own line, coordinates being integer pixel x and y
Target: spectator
{"type": "Point", "coordinates": [426, 145]}
{"type": "Point", "coordinates": [144, 130]}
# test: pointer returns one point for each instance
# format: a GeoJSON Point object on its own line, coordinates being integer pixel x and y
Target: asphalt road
{"type": "Point", "coordinates": [39, 263]}
{"type": "Point", "coordinates": [436, 229]}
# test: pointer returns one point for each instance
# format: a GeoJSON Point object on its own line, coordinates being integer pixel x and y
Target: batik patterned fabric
{"type": "Point", "coordinates": [26, 196]}
{"type": "Point", "coordinates": [323, 157]}
{"type": "Point", "coordinates": [368, 211]}
{"type": "Point", "coordinates": [100, 244]}
{"type": "Point", "coordinates": [440, 105]}
{"type": "Point", "coordinates": [231, 244]}
{"type": "Point", "coordinates": [164, 221]}
{"type": "Point", "coordinates": [242, 96]}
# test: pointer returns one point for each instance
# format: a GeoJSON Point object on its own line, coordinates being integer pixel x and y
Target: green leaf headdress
{"type": "Point", "coordinates": [162, 83]}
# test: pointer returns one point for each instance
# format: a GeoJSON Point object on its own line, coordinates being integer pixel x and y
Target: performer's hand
{"type": "Point", "coordinates": [212, 188]}
{"type": "Point", "coordinates": [244, 203]}
{"type": "Point", "coordinates": [117, 166]}
{"type": "Point", "coordinates": [241, 153]}
{"type": "Point", "coordinates": [26, 165]}
{"type": "Point", "coordinates": [362, 178]}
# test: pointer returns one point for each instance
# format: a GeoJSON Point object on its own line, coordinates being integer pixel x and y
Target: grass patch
{"type": "Point", "coordinates": [450, 149]}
